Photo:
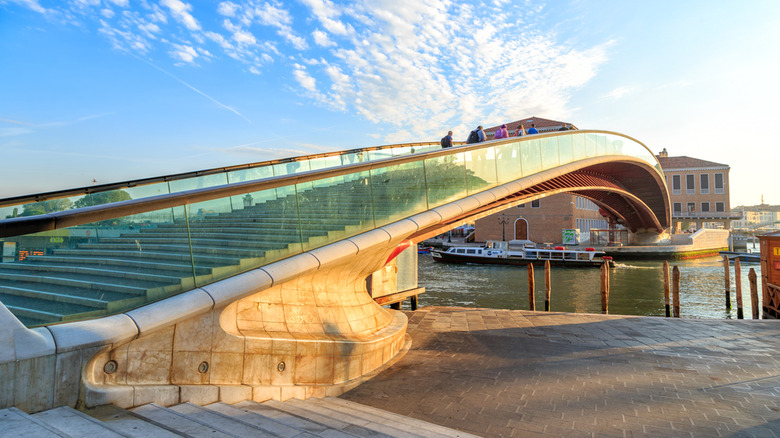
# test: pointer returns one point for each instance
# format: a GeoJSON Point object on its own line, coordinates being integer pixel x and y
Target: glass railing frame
{"type": "Point", "coordinates": [88, 215]}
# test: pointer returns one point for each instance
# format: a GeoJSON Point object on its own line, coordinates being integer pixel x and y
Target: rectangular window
{"type": "Point", "coordinates": [521, 206]}
{"type": "Point", "coordinates": [705, 184]}
{"type": "Point", "coordinates": [690, 187]}
{"type": "Point", "coordinates": [676, 185]}
{"type": "Point", "coordinates": [720, 206]}
{"type": "Point", "coordinates": [677, 207]}
{"type": "Point", "coordinates": [705, 206]}
{"type": "Point", "coordinates": [691, 207]}
{"type": "Point", "coordinates": [535, 203]}
{"type": "Point", "coordinates": [719, 186]}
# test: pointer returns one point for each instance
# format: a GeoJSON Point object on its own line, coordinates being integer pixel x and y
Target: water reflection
{"type": "Point", "coordinates": [636, 287]}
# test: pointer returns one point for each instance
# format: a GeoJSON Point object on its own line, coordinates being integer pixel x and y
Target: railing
{"type": "Point", "coordinates": [108, 258]}
{"type": "Point", "coordinates": [707, 214]}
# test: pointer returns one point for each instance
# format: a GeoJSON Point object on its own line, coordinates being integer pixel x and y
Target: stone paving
{"type": "Point", "coordinates": [515, 373]}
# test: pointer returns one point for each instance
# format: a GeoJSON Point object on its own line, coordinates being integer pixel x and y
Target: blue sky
{"type": "Point", "coordinates": [122, 89]}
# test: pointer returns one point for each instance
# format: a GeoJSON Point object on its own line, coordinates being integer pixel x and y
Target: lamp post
{"type": "Point", "coordinates": [503, 220]}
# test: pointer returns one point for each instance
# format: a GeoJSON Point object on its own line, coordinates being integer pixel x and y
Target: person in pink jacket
{"type": "Point", "coordinates": [501, 133]}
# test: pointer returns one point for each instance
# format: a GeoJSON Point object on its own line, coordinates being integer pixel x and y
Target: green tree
{"type": "Point", "coordinates": [102, 198]}
{"type": "Point", "coordinates": [43, 207]}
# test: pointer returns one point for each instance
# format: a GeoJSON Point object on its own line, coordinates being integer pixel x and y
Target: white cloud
{"type": "Point", "coordinates": [180, 12]}
{"type": "Point", "coordinates": [321, 38]}
{"type": "Point", "coordinates": [227, 9]}
{"type": "Point", "coordinates": [618, 93]}
{"type": "Point", "coordinates": [304, 79]}
{"type": "Point", "coordinates": [184, 53]}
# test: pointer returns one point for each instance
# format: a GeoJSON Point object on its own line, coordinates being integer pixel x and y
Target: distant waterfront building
{"type": "Point", "coordinates": [699, 192]}
{"type": "Point", "coordinates": [758, 217]}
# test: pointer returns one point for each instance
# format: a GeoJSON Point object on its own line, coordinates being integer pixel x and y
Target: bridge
{"type": "Point", "coordinates": [249, 282]}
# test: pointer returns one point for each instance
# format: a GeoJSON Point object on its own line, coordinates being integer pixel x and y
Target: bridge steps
{"type": "Point", "coordinates": [329, 417]}
{"type": "Point", "coordinates": [117, 269]}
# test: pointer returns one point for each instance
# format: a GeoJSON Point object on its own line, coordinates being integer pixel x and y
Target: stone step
{"type": "Point", "coordinates": [342, 424]}
{"type": "Point", "coordinates": [92, 271]}
{"type": "Point", "coordinates": [221, 422]}
{"type": "Point", "coordinates": [421, 427]}
{"type": "Point", "coordinates": [15, 423]}
{"type": "Point", "coordinates": [295, 422]}
{"type": "Point", "coordinates": [330, 417]}
{"type": "Point", "coordinates": [162, 247]}
{"type": "Point", "coordinates": [121, 264]}
{"type": "Point", "coordinates": [175, 421]}
{"type": "Point", "coordinates": [396, 428]}
{"type": "Point", "coordinates": [76, 424]}
{"type": "Point", "coordinates": [130, 424]}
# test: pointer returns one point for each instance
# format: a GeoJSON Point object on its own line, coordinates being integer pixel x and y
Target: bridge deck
{"type": "Point", "coordinates": [519, 373]}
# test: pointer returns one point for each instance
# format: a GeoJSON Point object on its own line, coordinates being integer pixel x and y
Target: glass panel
{"type": "Point", "coordinates": [379, 154]}
{"type": "Point", "coordinates": [253, 174]}
{"type": "Point", "coordinates": [549, 147]}
{"type": "Point", "coordinates": [227, 240]}
{"type": "Point", "coordinates": [325, 162]}
{"type": "Point", "coordinates": [291, 167]}
{"type": "Point", "coordinates": [43, 207]}
{"type": "Point", "coordinates": [601, 141]}
{"type": "Point", "coordinates": [334, 209]}
{"type": "Point", "coordinates": [565, 151]}
{"type": "Point", "coordinates": [94, 269]}
{"type": "Point", "coordinates": [446, 179]}
{"type": "Point", "coordinates": [398, 191]}
{"type": "Point", "coordinates": [481, 170]}
{"type": "Point", "coordinates": [590, 145]}
{"type": "Point", "coordinates": [508, 167]}
{"type": "Point", "coordinates": [199, 182]}
{"type": "Point", "coordinates": [531, 157]}
{"type": "Point", "coordinates": [354, 157]}
{"type": "Point", "coordinates": [578, 146]}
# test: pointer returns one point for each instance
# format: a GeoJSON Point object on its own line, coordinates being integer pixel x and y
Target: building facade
{"type": "Point", "coordinates": [542, 125]}
{"type": "Point", "coordinates": [542, 221]}
{"type": "Point", "coordinates": [698, 191]}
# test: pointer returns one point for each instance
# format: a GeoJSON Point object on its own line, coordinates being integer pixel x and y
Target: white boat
{"type": "Point", "coordinates": [517, 252]}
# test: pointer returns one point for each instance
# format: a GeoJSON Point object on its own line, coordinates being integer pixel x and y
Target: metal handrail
{"type": "Point", "coordinates": [68, 218]}
{"type": "Point", "coordinates": [86, 190]}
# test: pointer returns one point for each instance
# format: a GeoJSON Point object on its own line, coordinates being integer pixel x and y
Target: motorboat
{"type": "Point", "coordinates": [521, 253]}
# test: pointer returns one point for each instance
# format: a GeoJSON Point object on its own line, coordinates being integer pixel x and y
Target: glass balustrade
{"type": "Point", "coordinates": [111, 266]}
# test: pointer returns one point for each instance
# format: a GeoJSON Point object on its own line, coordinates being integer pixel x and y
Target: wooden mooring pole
{"type": "Point", "coordinates": [605, 288]}
{"type": "Point", "coordinates": [753, 291]}
{"type": "Point", "coordinates": [547, 286]}
{"type": "Point", "coordinates": [738, 289]}
{"type": "Point", "coordinates": [531, 288]}
{"type": "Point", "coordinates": [676, 291]}
{"type": "Point", "coordinates": [728, 282]}
{"type": "Point", "coordinates": [666, 290]}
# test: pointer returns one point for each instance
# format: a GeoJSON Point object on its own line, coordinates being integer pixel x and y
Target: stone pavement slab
{"type": "Point", "coordinates": [516, 373]}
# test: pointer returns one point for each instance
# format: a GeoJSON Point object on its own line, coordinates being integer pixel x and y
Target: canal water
{"type": "Point", "coordinates": [636, 287]}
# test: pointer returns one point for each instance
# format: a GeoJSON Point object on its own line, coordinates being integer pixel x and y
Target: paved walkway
{"type": "Point", "coordinates": [515, 373]}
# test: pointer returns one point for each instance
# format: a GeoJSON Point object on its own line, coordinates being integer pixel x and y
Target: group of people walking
{"type": "Point", "coordinates": [478, 135]}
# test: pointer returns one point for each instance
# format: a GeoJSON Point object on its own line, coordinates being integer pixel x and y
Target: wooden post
{"type": "Point", "coordinates": [413, 302]}
{"type": "Point", "coordinates": [666, 289]}
{"type": "Point", "coordinates": [547, 286]}
{"type": "Point", "coordinates": [738, 289]}
{"type": "Point", "coordinates": [605, 288]}
{"type": "Point", "coordinates": [753, 291]}
{"type": "Point", "coordinates": [676, 291]}
{"type": "Point", "coordinates": [531, 288]}
{"type": "Point", "coordinates": [728, 282]}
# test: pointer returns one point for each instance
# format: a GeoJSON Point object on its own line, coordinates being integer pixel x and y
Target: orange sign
{"type": "Point", "coordinates": [777, 251]}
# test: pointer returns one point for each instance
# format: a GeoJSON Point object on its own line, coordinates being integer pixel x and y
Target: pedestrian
{"type": "Point", "coordinates": [520, 131]}
{"type": "Point", "coordinates": [501, 133]}
{"type": "Point", "coordinates": [446, 141]}
{"type": "Point", "coordinates": [476, 136]}
{"type": "Point", "coordinates": [533, 129]}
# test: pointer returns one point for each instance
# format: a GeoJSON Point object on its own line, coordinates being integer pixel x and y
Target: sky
{"type": "Point", "coordinates": [112, 90]}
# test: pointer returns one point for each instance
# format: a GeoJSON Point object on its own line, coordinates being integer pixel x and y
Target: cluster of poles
{"type": "Point", "coordinates": [671, 289]}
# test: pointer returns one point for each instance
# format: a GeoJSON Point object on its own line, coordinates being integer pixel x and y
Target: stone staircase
{"type": "Point", "coordinates": [329, 417]}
